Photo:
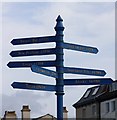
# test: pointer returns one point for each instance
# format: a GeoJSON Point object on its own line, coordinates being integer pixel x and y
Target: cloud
{"type": "Point", "coordinates": [19, 98]}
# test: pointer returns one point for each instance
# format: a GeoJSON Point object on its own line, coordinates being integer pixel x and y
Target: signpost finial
{"type": "Point", "coordinates": [59, 28]}
{"type": "Point", "coordinates": [59, 18]}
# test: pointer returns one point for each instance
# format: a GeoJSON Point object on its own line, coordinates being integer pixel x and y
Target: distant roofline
{"type": "Point", "coordinates": [44, 116]}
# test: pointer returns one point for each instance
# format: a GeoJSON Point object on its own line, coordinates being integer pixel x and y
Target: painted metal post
{"type": "Point", "coordinates": [59, 67]}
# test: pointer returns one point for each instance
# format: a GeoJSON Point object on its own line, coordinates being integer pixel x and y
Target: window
{"type": "Point", "coordinates": [113, 86]}
{"type": "Point", "coordinates": [93, 110]}
{"type": "Point", "coordinates": [113, 106]}
{"type": "Point", "coordinates": [95, 91]}
{"type": "Point", "coordinates": [107, 107]}
{"type": "Point", "coordinates": [87, 93]}
{"type": "Point", "coordinates": [83, 113]}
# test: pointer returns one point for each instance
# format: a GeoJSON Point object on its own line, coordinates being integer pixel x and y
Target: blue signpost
{"type": "Point", "coordinates": [37, 66]}
{"type": "Point", "coordinates": [24, 64]}
{"type": "Point", "coordinates": [59, 68]}
{"type": "Point", "coordinates": [84, 71]}
{"type": "Point", "coordinates": [40, 70]}
{"type": "Point", "coordinates": [89, 81]}
{"type": "Point", "coordinates": [33, 86]}
{"type": "Point", "coordinates": [33, 52]}
{"type": "Point", "coordinates": [81, 48]}
{"type": "Point", "coordinates": [32, 40]}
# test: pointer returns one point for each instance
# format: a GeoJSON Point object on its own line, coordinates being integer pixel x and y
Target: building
{"type": "Point", "coordinates": [25, 115]}
{"type": "Point", "coordinates": [44, 117]}
{"type": "Point", "coordinates": [50, 117]}
{"type": "Point", "coordinates": [11, 115]}
{"type": "Point", "coordinates": [108, 102]}
{"type": "Point", "coordinates": [99, 102]}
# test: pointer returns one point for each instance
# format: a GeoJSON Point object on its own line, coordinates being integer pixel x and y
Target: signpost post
{"type": "Point", "coordinates": [37, 66]}
{"type": "Point", "coordinates": [59, 67]}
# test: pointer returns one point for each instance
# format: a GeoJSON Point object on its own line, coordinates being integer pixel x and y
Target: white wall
{"type": "Point", "coordinates": [104, 114]}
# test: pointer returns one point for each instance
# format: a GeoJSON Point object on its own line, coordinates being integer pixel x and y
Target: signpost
{"type": "Point", "coordinates": [89, 81]}
{"type": "Point", "coordinates": [80, 48]}
{"type": "Point", "coordinates": [33, 86]}
{"type": "Point", "coordinates": [84, 71]}
{"type": "Point", "coordinates": [44, 71]}
{"type": "Point", "coordinates": [36, 66]}
{"type": "Point", "coordinates": [33, 40]}
{"type": "Point", "coordinates": [21, 53]}
{"type": "Point", "coordinates": [24, 64]}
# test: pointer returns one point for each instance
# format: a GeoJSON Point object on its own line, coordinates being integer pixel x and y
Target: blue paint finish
{"type": "Point", "coordinates": [89, 81]}
{"type": "Point", "coordinates": [24, 64]}
{"type": "Point", "coordinates": [81, 48]}
{"type": "Point", "coordinates": [33, 86]}
{"type": "Point", "coordinates": [40, 70]}
{"type": "Point", "coordinates": [32, 40]}
{"type": "Point", "coordinates": [33, 52]}
{"type": "Point", "coordinates": [60, 106]}
{"type": "Point", "coordinates": [59, 67]}
{"type": "Point", "coordinates": [84, 71]}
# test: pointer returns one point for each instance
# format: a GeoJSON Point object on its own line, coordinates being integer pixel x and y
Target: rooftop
{"type": "Point", "coordinates": [97, 94]}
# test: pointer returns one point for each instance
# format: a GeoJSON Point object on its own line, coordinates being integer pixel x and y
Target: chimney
{"type": "Point", "coordinates": [25, 112]}
{"type": "Point", "coordinates": [10, 115]}
{"type": "Point", "coordinates": [65, 113]}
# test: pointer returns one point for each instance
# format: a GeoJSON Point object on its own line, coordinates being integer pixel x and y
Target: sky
{"type": "Point", "coordinates": [86, 23]}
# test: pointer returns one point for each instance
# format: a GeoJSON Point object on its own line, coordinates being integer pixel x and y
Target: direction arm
{"type": "Point", "coordinates": [33, 52]}
{"type": "Point", "coordinates": [89, 81]}
{"type": "Point", "coordinates": [43, 71]}
{"type": "Point", "coordinates": [33, 86]}
{"type": "Point", "coordinates": [24, 64]}
{"type": "Point", "coordinates": [32, 40]}
{"type": "Point", "coordinates": [84, 71]}
{"type": "Point", "coordinates": [80, 48]}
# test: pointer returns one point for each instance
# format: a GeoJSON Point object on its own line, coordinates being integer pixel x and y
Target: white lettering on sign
{"type": "Point", "coordinates": [35, 86]}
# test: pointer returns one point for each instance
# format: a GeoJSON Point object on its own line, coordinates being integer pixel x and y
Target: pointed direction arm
{"type": "Point", "coordinates": [81, 48]}
{"type": "Point", "coordinates": [84, 71]}
{"type": "Point", "coordinates": [33, 86]}
{"type": "Point", "coordinates": [24, 64]}
{"type": "Point", "coordinates": [44, 71]}
{"type": "Point", "coordinates": [21, 53]}
{"type": "Point", "coordinates": [32, 40]}
{"type": "Point", "coordinates": [91, 81]}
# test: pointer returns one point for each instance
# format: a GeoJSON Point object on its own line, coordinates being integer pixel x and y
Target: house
{"type": "Point", "coordinates": [98, 102]}
{"type": "Point", "coordinates": [108, 102]}
{"type": "Point", "coordinates": [25, 115]}
{"type": "Point", "coordinates": [11, 115]}
{"type": "Point", "coordinates": [44, 117]}
{"type": "Point", "coordinates": [50, 117]}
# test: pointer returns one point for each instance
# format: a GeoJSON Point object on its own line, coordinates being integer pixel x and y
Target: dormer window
{"type": "Point", "coordinates": [113, 86]}
{"type": "Point", "coordinates": [87, 93]}
{"type": "Point", "coordinates": [95, 91]}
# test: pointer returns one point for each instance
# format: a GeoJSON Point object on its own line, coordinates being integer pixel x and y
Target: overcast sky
{"type": "Point", "coordinates": [86, 23]}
